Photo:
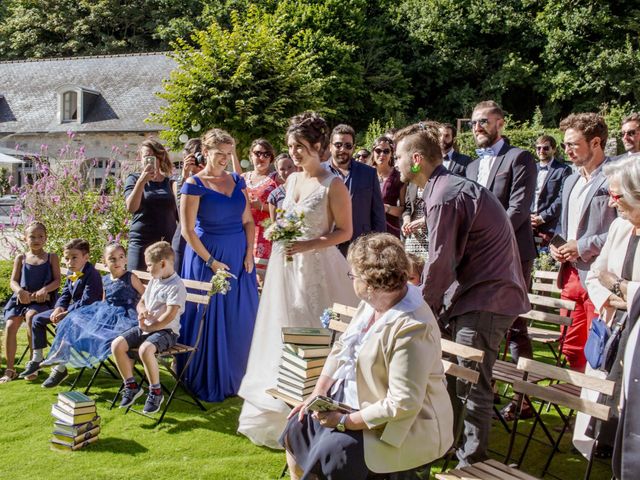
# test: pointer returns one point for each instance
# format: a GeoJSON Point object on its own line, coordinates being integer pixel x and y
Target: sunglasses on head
{"type": "Point", "coordinates": [481, 121]}
{"type": "Point", "coordinates": [261, 154]}
{"type": "Point", "coordinates": [346, 146]}
{"type": "Point", "coordinates": [544, 148]}
{"type": "Point", "coordinates": [380, 151]}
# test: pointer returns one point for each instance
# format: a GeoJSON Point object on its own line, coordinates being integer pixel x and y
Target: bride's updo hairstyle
{"type": "Point", "coordinates": [311, 127]}
{"type": "Point", "coordinates": [215, 136]}
{"type": "Point", "coordinates": [380, 261]}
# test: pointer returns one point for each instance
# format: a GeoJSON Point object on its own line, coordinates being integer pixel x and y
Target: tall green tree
{"type": "Point", "coordinates": [246, 79]}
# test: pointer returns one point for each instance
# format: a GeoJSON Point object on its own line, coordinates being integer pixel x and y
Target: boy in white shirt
{"type": "Point", "coordinates": [158, 327]}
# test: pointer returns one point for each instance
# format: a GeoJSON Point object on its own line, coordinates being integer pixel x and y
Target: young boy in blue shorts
{"type": "Point", "coordinates": [158, 327]}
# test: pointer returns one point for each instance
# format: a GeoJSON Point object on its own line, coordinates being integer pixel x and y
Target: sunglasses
{"type": "Point", "coordinates": [362, 155]}
{"type": "Point", "coordinates": [569, 146]}
{"type": "Point", "coordinates": [544, 148]}
{"type": "Point", "coordinates": [380, 151]}
{"type": "Point", "coordinates": [261, 154]}
{"type": "Point", "coordinates": [629, 133]}
{"type": "Point", "coordinates": [346, 146]}
{"type": "Point", "coordinates": [481, 121]}
{"type": "Point", "coordinates": [616, 198]}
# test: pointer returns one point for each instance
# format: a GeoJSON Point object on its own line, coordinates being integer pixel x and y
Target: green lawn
{"type": "Point", "coordinates": [189, 444]}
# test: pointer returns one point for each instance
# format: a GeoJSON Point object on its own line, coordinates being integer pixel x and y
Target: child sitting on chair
{"type": "Point", "coordinates": [83, 287]}
{"type": "Point", "coordinates": [158, 327]}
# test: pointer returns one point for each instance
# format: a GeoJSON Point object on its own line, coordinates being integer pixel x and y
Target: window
{"type": "Point", "coordinates": [69, 106]}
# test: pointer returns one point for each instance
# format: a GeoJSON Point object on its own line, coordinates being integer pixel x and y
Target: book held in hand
{"type": "Point", "coordinates": [322, 403]}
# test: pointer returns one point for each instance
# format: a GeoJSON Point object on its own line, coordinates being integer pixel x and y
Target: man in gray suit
{"type": "Point", "coordinates": [584, 224]}
{"type": "Point", "coordinates": [510, 174]}
{"type": "Point", "coordinates": [454, 161]}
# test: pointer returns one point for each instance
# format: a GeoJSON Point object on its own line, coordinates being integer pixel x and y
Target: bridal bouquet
{"type": "Point", "coordinates": [220, 282]}
{"type": "Point", "coordinates": [287, 228]}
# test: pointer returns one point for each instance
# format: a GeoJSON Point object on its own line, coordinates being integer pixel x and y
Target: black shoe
{"type": "Point", "coordinates": [55, 378]}
{"type": "Point", "coordinates": [153, 403]}
{"type": "Point", "coordinates": [32, 367]}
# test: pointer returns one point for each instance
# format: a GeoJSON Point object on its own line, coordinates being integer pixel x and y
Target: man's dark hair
{"type": "Point", "coordinates": [547, 138]}
{"type": "Point", "coordinates": [344, 129]}
{"type": "Point", "coordinates": [454, 130]}
{"type": "Point", "coordinates": [590, 124]}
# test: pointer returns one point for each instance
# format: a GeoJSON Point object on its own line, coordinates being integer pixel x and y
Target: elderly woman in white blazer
{"type": "Point", "coordinates": [614, 279]}
{"type": "Point", "coordinates": [387, 366]}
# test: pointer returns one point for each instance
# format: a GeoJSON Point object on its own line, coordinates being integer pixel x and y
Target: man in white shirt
{"type": "Point", "coordinates": [630, 132]}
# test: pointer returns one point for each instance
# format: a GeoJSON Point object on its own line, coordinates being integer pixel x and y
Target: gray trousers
{"type": "Point", "coordinates": [484, 331]}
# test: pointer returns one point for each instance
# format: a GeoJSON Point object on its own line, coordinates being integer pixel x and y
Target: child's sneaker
{"type": "Point", "coordinates": [130, 395]}
{"type": "Point", "coordinates": [152, 405]}
{"type": "Point", "coordinates": [30, 369]}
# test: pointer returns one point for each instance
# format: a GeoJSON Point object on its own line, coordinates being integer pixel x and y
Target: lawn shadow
{"type": "Point", "coordinates": [117, 445]}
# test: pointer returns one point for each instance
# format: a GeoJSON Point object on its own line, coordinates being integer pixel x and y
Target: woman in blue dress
{"type": "Point", "coordinates": [84, 338]}
{"type": "Point", "coordinates": [217, 224]}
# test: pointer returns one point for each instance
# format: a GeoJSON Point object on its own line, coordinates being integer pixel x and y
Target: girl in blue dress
{"type": "Point", "coordinates": [84, 338]}
{"type": "Point", "coordinates": [218, 227]}
{"type": "Point", "coordinates": [35, 281]}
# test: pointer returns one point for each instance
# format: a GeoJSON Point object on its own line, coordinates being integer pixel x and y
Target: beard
{"type": "Point", "coordinates": [487, 139]}
{"type": "Point", "coordinates": [341, 159]}
{"type": "Point", "coordinates": [445, 147]}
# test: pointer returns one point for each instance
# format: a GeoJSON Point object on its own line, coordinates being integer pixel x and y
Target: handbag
{"type": "Point", "coordinates": [594, 349]}
{"type": "Point", "coordinates": [611, 347]}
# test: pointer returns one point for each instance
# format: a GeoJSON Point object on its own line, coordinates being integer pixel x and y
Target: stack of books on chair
{"type": "Point", "coordinates": [303, 355]}
{"type": "Point", "coordinates": [77, 423]}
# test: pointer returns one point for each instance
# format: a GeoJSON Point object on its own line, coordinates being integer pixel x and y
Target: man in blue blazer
{"type": "Point", "coordinates": [83, 287]}
{"type": "Point", "coordinates": [361, 180]}
{"type": "Point", "coordinates": [547, 202]}
{"type": "Point", "coordinates": [453, 161]}
{"type": "Point", "coordinates": [510, 174]}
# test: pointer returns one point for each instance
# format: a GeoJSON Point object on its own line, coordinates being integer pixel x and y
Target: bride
{"type": "Point", "coordinates": [296, 292]}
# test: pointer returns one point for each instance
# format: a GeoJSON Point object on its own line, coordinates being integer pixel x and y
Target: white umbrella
{"type": "Point", "coordinates": [9, 159]}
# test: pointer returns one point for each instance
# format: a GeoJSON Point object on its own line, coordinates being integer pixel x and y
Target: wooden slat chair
{"type": "Point", "coordinates": [487, 470]}
{"type": "Point", "coordinates": [545, 283]}
{"type": "Point", "coordinates": [165, 359]}
{"type": "Point", "coordinates": [566, 394]}
{"type": "Point", "coordinates": [546, 325]}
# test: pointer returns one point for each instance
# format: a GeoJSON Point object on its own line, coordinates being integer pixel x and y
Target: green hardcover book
{"type": "Point", "coordinates": [75, 430]}
{"type": "Point", "coordinates": [77, 410]}
{"type": "Point", "coordinates": [301, 372]}
{"type": "Point", "coordinates": [294, 379]}
{"type": "Point", "coordinates": [308, 351]}
{"type": "Point", "coordinates": [71, 419]}
{"type": "Point", "coordinates": [305, 363]}
{"type": "Point", "coordinates": [306, 336]}
{"type": "Point", "coordinates": [55, 445]}
{"type": "Point", "coordinates": [75, 399]}
{"type": "Point", "coordinates": [69, 440]}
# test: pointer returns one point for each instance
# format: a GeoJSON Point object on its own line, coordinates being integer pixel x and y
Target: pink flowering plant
{"type": "Point", "coordinates": [65, 199]}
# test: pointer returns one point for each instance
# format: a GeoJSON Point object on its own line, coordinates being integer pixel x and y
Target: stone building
{"type": "Point", "coordinates": [55, 107]}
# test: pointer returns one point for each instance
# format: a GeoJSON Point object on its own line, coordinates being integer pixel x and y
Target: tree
{"type": "Point", "coordinates": [245, 79]}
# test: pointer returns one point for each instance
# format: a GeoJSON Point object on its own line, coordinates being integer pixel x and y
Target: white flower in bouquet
{"type": "Point", "coordinates": [288, 227]}
{"type": "Point", "coordinates": [220, 282]}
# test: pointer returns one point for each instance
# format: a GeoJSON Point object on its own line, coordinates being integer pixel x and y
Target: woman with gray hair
{"type": "Point", "coordinates": [614, 278]}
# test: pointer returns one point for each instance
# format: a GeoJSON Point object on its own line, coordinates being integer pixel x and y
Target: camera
{"type": "Point", "coordinates": [200, 160]}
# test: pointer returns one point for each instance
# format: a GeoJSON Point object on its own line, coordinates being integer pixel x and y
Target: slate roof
{"type": "Point", "coordinates": [127, 85]}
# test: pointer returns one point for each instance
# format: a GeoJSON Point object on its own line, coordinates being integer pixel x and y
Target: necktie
{"type": "Point", "coordinates": [485, 152]}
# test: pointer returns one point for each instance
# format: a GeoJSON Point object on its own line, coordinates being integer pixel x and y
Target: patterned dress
{"type": "Point", "coordinates": [260, 190]}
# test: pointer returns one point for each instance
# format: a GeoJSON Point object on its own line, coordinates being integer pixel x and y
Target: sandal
{"type": "Point", "coordinates": [9, 375]}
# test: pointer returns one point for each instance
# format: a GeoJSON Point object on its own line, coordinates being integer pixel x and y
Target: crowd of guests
{"type": "Point", "coordinates": [472, 223]}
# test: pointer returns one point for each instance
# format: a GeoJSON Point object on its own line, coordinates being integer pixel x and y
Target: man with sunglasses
{"type": "Point", "coordinates": [630, 132]}
{"type": "Point", "coordinates": [545, 211]}
{"type": "Point", "coordinates": [362, 181]}
{"type": "Point", "coordinates": [584, 224]}
{"type": "Point", "coordinates": [510, 174]}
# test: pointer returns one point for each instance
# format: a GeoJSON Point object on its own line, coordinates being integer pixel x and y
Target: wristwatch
{"type": "Point", "coordinates": [342, 424]}
{"type": "Point", "coordinates": [210, 261]}
{"type": "Point", "coordinates": [616, 288]}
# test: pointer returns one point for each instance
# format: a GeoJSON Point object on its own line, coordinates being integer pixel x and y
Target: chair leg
{"type": "Point", "coordinates": [587, 473]}
{"type": "Point", "coordinates": [93, 377]}
{"type": "Point", "coordinates": [286, 468]}
{"type": "Point", "coordinates": [77, 379]}
{"type": "Point", "coordinates": [557, 442]}
{"type": "Point", "coordinates": [24, 354]}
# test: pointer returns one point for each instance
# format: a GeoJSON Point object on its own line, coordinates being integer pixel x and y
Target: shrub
{"type": "Point", "coordinates": [524, 138]}
{"type": "Point", "coordinates": [6, 267]}
{"type": "Point", "coordinates": [65, 200]}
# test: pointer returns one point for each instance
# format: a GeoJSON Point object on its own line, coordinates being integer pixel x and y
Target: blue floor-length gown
{"type": "Point", "coordinates": [219, 364]}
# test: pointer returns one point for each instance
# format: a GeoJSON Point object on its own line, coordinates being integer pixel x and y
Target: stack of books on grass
{"type": "Point", "coordinates": [77, 422]}
{"type": "Point", "coordinates": [303, 355]}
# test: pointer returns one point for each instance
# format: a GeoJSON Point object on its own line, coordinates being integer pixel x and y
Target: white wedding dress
{"type": "Point", "coordinates": [295, 294]}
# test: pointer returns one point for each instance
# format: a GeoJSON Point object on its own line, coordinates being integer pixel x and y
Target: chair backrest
{"type": "Point", "coordinates": [540, 303]}
{"type": "Point", "coordinates": [545, 282]}
{"type": "Point", "coordinates": [563, 375]}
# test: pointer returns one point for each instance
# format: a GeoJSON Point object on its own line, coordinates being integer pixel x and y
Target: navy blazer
{"type": "Point", "coordinates": [367, 207]}
{"type": "Point", "coordinates": [512, 180]}
{"type": "Point", "coordinates": [595, 218]}
{"type": "Point", "coordinates": [459, 163]}
{"type": "Point", "coordinates": [550, 196]}
{"type": "Point", "coordinates": [87, 290]}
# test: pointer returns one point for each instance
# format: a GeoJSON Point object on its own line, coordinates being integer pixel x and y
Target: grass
{"type": "Point", "coordinates": [189, 444]}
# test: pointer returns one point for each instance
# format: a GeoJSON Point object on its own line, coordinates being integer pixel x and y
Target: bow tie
{"type": "Point", "coordinates": [485, 152]}
{"type": "Point", "coordinates": [544, 168]}
{"type": "Point", "coordinates": [75, 276]}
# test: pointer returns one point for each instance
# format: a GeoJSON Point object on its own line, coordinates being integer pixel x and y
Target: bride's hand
{"type": "Point", "coordinates": [299, 247]}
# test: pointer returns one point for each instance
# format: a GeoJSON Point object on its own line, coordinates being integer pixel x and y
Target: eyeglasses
{"type": "Point", "coordinates": [543, 148]}
{"type": "Point", "coordinates": [629, 133]}
{"type": "Point", "coordinates": [261, 154]}
{"type": "Point", "coordinates": [352, 276]}
{"type": "Point", "coordinates": [380, 151]}
{"type": "Point", "coordinates": [346, 146]}
{"type": "Point", "coordinates": [569, 146]}
{"type": "Point", "coordinates": [616, 198]}
{"type": "Point", "coordinates": [481, 121]}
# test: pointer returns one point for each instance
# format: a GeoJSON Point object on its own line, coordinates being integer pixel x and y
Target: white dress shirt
{"type": "Point", "coordinates": [486, 162]}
